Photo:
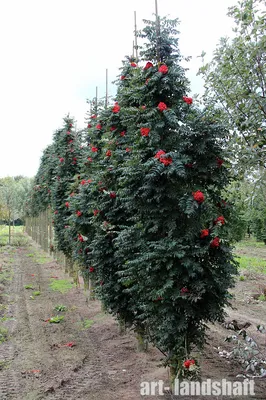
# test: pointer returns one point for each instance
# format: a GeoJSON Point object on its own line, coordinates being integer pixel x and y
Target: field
{"type": "Point", "coordinates": [55, 344]}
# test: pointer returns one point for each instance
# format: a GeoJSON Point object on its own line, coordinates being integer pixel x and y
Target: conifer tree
{"type": "Point", "coordinates": [67, 153]}
{"type": "Point", "coordinates": [177, 262]}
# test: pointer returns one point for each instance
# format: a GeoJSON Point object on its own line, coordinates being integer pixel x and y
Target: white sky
{"type": "Point", "coordinates": [55, 52]}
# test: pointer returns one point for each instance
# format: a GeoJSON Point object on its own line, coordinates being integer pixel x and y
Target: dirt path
{"type": "Point", "coordinates": [35, 362]}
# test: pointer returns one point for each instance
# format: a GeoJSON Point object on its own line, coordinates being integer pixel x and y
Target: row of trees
{"type": "Point", "coordinates": [138, 202]}
{"type": "Point", "coordinates": [14, 192]}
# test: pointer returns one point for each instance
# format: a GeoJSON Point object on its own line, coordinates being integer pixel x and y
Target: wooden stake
{"type": "Point", "coordinates": [106, 89]}
{"type": "Point", "coordinates": [136, 37]}
{"type": "Point", "coordinates": [157, 31]}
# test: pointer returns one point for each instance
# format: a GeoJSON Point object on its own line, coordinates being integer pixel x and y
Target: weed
{"type": "Point", "coordinates": [262, 297]}
{"type": "Point", "coordinates": [37, 293]}
{"type": "Point", "coordinates": [60, 308]}
{"type": "Point", "coordinates": [87, 323]}
{"type": "Point", "coordinates": [242, 278]}
{"type": "Point", "coordinates": [57, 319]}
{"type": "Point", "coordinates": [28, 287]}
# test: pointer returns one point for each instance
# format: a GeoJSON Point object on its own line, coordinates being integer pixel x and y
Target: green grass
{"type": "Point", "coordinates": [3, 334]}
{"type": "Point", "coordinates": [255, 264]}
{"type": "Point", "coordinates": [17, 236]}
{"type": "Point", "coordinates": [38, 257]}
{"type": "Point", "coordinates": [252, 242]}
{"type": "Point", "coordinates": [61, 285]}
{"type": "Point", "coordinates": [251, 255]}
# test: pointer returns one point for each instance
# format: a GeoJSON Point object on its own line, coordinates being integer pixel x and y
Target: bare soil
{"type": "Point", "coordinates": [36, 363]}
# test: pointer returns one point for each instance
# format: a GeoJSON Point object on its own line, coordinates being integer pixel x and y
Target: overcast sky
{"type": "Point", "coordinates": [55, 52]}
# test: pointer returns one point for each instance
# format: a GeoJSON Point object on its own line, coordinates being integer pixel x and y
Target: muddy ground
{"type": "Point", "coordinates": [37, 360]}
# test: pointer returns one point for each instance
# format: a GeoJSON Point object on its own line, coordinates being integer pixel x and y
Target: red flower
{"type": "Point", "coordinates": [68, 133]}
{"type": "Point", "coordinates": [89, 125]}
{"type": "Point", "coordinates": [80, 238]}
{"type": "Point", "coordinates": [96, 212]}
{"type": "Point", "coordinates": [128, 149]}
{"type": "Point", "coordinates": [184, 290]}
{"type": "Point", "coordinates": [162, 106]}
{"type": "Point", "coordinates": [113, 128]}
{"type": "Point", "coordinates": [123, 133]}
{"type": "Point", "coordinates": [188, 100]}
{"type": "Point", "coordinates": [108, 153]}
{"type": "Point", "coordinates": [83, 182]}
{"type": "Point", "coordinates": [94, 149]}
{"type": "Point", "coordinates": [215, 242]}
{"type": "Point", "coordinates": [133, 64]}
{"type": "Point", "coordinates": [220, 220]}
{"type": "Point", "coordinates": [187, 363]}
{"type": "Point", "coordinates": [166, 160]}
{"type": "Point", "coordinates": [99, 126]}
{"type": "Point", "coordinates": [67, 226]}
{"type": "Point", "coordinates": [70, 141]}
{"type": "Point", "coordinates": [79, 213]}
{"type": "Point", "coordinates": [112, 195]}
{"type": "Point", "coordinates": [145, 131]}
{"type": "Point", "coordinates": [67, 204]}
{"type": "Point", "coordinates": [159, 154]}
{"type": "Point", "coordinates": [143, 107]}
{"type": "Point", "coordinates": [161, 157]}
{"type": "Point", "coordinates": [122, 77]}
{"type": "Point", "coordinates": [93, 116]}
{"type": "Point", "coordinates": [91, 269]}
{"type": "Point", "coordinates": [90, 159]}
{"type": "Point", "coordinates": [147, 81]}
{"type": "Point", "coordinates": [148, 65]}
{"type": "Point", "coordinates": [116, 108]}
{"type": "Point", "coordinates": [163, 69]}
{"type": "Point", "coordinates": [72, 194]}
{"type": "Point", "coordinates": [56, 212]}
{"type": "Point", "coordinates": [89, 180]}
{"type": "Point", "coordinates": [158, 299]}
{"type": "Point", "coordinates": [70, 125]}
{"type": "Point", "coordinates": [61, 159]}
{"type": "Point", "coordinates": [219, 162]}
{"type": "Point", "coordinates": [204, 233]}
{"type": "Point", "coordinates": [198, 196]}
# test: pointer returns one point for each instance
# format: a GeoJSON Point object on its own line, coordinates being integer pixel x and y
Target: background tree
{"type": "Point", "coordinates": [235, 83]}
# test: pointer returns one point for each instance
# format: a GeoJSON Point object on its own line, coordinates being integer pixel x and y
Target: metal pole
{"type": "Point", "coordinates": [106, 89]}
{"type": "Point", "coordinates": [136, 38]}
{"type": "Point", "coordinates": [96, 101]}
{"type": "Point", "coordinates": [157, 31]}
